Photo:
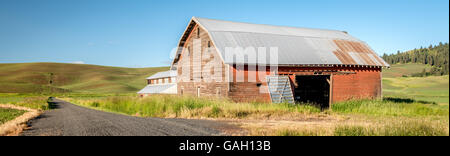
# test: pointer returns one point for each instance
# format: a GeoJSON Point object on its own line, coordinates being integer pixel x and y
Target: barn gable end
{"type": "Point", "coordinates": [197, 52]}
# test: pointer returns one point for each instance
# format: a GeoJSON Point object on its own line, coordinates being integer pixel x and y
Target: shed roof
{"type": "Point", "coordinates": [158, 89]}
{"type": "Point", "coordinates": [163, 74]}
{"type": "Point", "coordinates": [296, 46]}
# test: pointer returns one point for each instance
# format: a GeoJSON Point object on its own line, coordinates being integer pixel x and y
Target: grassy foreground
{"type": "Point", "coordinates": [186, 107]}
{"type": "Point", "coordinates": [391, 116]}
{"type": "Point", "coordinates": [9, 114]}
{"type": "Point", "coordinates": [33, 101]}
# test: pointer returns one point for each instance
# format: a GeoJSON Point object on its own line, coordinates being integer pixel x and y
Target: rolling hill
{"type": "Point", "coordinates": [36, 77]}
{"type": "Point", "coordinates": [400, 70]}
{"type": "Point", "coordinates": [396, 83]}
{"type": "Point", "coordinates": [420, 74]}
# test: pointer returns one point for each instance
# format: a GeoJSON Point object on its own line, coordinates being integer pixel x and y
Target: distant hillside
{"type": "Point", "coordinates": [397, 82]}
{"type": "Point", "coordinates": [405, 70]}
{"type": "Point", "coordinates": [36, 78]}
{"type": "Point", "coordinates": [436, 56]}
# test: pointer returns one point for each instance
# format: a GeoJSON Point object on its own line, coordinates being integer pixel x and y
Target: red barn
{"type": "Point", "coordinates": [254, 62]}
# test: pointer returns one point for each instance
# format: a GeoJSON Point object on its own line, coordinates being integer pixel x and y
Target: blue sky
{"type": "Point", "coordinates": [141, 33]}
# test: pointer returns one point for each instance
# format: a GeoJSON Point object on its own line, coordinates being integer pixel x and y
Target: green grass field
{"type": "Point", "coordinates": [32, 101]}
{"type": "Point", "coordinates": [9, 114]}
{"type": "Point", "coordinates": [431, 88]}
{"type": "Point", "coordinates": [399, 70]}
{"type": "Point", "coordinates": [35, 78]}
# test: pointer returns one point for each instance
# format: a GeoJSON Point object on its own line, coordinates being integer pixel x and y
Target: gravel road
{"type": "Point", "coordinates": [71, 120]}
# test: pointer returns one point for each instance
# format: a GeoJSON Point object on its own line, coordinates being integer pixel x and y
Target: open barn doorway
{"type": "Point", "coordinates": [313, 89]}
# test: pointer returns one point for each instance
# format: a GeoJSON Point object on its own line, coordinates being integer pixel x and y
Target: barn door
{"type": "Point", "coordinates": [313, 89]}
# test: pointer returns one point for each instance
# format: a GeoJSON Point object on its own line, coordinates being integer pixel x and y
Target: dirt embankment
{"type": "Point", "coordinates": [16, 126]}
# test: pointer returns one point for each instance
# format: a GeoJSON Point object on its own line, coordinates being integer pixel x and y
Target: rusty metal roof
{"type": "Point", "coordinates": [296, 46]}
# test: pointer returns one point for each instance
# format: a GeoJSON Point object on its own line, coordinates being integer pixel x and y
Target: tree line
{"type": "Point", "coordinates": [437, 56]}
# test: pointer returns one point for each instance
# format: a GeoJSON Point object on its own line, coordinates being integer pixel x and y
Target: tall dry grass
{"type": "Point", "coordinates": [192, 107]}
{"type": "Point", "coordinates": [391, 107]}
{"type": "Point", "coordinates": [394, 126]}
{"type": "Point", "coordinates": [29, 101]}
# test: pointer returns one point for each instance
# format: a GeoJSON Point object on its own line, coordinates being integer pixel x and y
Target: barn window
{"type": "Point", "coordinates": [198, 32]}
{"type": "Point", "coordinates": [209, 44]}
{"type": "Point", "coordinates": [218, 91]}
{"type": "Point", "coordinates": [258, 84]}
{"type": "Point", "coordinates": [166, 80]}
{"type": "Point", "coordinates": [189, 50]}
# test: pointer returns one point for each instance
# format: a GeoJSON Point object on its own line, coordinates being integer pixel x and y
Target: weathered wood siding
{"type": "Point", "coordinates": [250, 86]}
{"type": "Point", "coordinates": [202, 58]}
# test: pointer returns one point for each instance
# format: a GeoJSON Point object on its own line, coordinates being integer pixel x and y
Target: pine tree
{"type": "Point", "coordinates": [437, 56]}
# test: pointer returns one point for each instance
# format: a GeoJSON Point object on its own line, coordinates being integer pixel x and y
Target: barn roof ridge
{"type": "Point", "coordinates": [202, 21]}
{"type": "Point", "coordinates": [286, 26]}
{"type": "Point", "coordinates": [280, 34]}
